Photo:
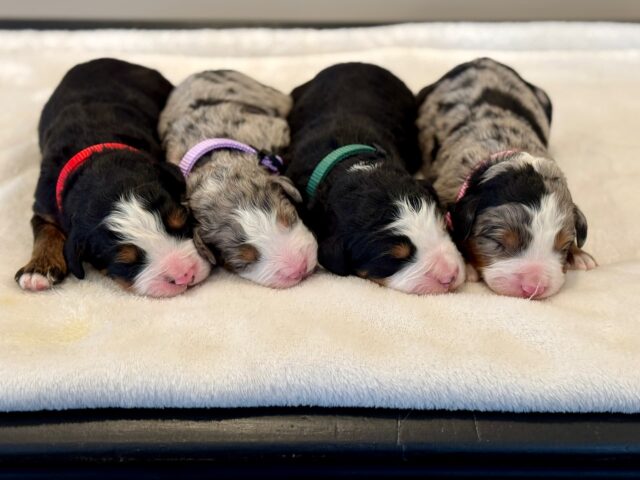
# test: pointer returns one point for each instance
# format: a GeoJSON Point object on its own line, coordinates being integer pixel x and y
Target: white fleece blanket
{"type": "Point", "coordinates": [339, 341]}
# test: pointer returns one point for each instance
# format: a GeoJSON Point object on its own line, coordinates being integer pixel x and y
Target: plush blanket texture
{"type": "Point", "coordinates": [335, 341]}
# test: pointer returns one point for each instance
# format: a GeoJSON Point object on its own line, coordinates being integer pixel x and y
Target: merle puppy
{"type": "Point", "coordinates": [105, 195]}
{"type": "Point", "coordinates": [353, 143]}
{"type": "Point", "coordinates": [217, 126]}
{"type": "Point", "coordinates": [484, 132]}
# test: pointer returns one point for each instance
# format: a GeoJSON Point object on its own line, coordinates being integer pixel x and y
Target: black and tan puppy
{"type": "Point", "coordinates": [353, 140]}
{"type": "Point", "coordinates": [484, 132]}
{"type": "Point", "coordinates": [105, 195]}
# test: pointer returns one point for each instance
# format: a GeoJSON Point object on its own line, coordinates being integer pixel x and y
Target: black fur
{"type": "Point", "coordinates": [356, 103]}
{"type": "Point", "coordinates": [104, 100]}
{"type": "Point", "coordinates": [522, 185]}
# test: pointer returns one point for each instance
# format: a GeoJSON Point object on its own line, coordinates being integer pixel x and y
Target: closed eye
{"type": "Point", "coordinates": [493, 241]}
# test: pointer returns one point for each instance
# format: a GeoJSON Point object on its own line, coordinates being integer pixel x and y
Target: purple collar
{"type": "Point", "coordinates": [273, 163]}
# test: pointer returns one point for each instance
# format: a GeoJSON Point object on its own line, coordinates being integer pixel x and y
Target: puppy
{"type": "Point", "coordinates": [484, 132]}
{"type": "Point", "coordinates": [105, 194]}
{"type": "Point", "coordinates": [353, 144]}
{"type": "Point", "coordinates": [216, 126]}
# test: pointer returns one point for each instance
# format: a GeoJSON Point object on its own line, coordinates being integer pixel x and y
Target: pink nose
{"type": "Point", "coordinates": [445, 273]}
{"type": "Point", "coordinates": [184, 278]}
{"type": "Point", "coordinates": [448, 276]}
{"type": "Point", "coordinates": [533, 287]}
{"type": "Point", "coordinates": [295, 269]}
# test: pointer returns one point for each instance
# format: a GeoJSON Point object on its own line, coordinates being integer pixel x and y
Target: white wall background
{"type": "Point", "coordinates": [318, 11]}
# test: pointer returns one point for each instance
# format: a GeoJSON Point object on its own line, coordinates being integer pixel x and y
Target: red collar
{"type": "Point", "coordinates": [465, 186]}
{"type": "Point", "coordinates": [78, 159]}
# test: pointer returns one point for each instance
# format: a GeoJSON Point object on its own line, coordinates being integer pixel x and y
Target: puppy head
{"type": "Point", "coordinates": [142, 243]}
{"type": "Point", "coordinates": [516, 225]}
{"type": "Point", "coordinates": [247, 222]}
{"type": "Point", "coordinates": [388, 228]}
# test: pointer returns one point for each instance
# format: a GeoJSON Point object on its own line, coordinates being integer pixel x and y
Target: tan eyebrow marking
{"type": "Point", "coordinates": [248, 253]}
{"type": "Point", "coordinates": [177, 219]}
{"type": "Point", "coordinates": [510, 239]}
{"type": "Point", "coordinates": [562, 239]}
{"type": "Point", "coordinates": [127, 254]}
{"type": "Point", "coordinates": [401, 250]}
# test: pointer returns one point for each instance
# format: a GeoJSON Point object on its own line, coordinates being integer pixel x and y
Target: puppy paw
{"type": "Point", "coordinates": [36, 276]}
{"type": "Point", "coordinates": [472, 273]}
{"type": "Point", "coordinates": [580, 260]}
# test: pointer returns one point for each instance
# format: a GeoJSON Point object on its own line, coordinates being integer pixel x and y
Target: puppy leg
{"type": "Point", "coordinates": [472, 273]}
{"type": "Point", "coordinates": [47, 265]}
{"type": "Point", "coordinates": [578, 259]}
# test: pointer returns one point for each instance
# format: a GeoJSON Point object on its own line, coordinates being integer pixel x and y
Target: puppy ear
{"type": "Point", "coordinates": [287, 185]}
{"type": "Point", "coordinates": [73, 254]}
{"type": "Point", "coordinates": [202, 248]}
{"type": "Point", "coordinates": [171, 177]}
{"type": "Point", "coordinates": [332, 255]}
{"type": "Point", "coordinates": [581, 226]}
{"type": "Point", "coordinates": [463, 215]}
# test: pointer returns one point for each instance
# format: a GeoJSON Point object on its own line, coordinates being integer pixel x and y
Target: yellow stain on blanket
{"type": "Point", "coordinates": [35, 331]}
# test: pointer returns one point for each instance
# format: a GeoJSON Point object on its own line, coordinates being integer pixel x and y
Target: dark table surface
{"type": "Point", "coordinates": [284, 442]}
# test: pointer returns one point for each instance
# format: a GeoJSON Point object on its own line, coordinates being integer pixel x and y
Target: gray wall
{"type": "Point", "coordinates": [317, 11]}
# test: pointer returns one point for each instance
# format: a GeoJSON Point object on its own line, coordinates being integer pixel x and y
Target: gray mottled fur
{"type": "Point", "coordinates": [459, 130]}
{"type": "Point", "coordinates": [487, 129]}
{"type": "Point", "coordinates": [228, 104]}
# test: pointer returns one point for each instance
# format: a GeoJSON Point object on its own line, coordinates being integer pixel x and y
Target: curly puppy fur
{"type": "Point", "coordinates": [245, 216]}
{"type": "Point", "coordinates": [517, 224]}
{"type": "Point", "coordinates": [372, 218]}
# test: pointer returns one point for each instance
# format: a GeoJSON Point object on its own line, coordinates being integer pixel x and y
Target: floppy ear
{"type": "Point", "coordinates": [581, 226]}
{"type": "Point", "coordinates": [463, 215]}
{"type": "Point", "coordinates": [73, 255]}
{"type": "Point", "coordinates": [332, 255]}
{"type": "Point", "coordinates": [202, 248]}
{"type": "Point", "coordinates": [287, 185]}
{"type": "Point", "coordinates": [171, 177]}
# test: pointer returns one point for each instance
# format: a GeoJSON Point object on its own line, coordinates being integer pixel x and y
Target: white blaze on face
{"type": "Point", "coordinates": [287, 254]}
{"type": "Point", "coordinates": [437, 266]}
{"type": "Point", "coordinates": [536, 272]}
{"type": "Point", "coordinates": [171, 264]}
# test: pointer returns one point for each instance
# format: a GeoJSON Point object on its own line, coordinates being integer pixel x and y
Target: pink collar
{"type": "Point", "coordinates": [465, 185]}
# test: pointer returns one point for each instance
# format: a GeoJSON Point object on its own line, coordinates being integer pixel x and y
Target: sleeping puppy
{"type": "Point", "coordinates": [353, 140]}
{"type": "Point", "coordinates": [217, 126]}
{"type": "Point", "coordinates": [105, 194]}
{"type": "Point", "coordinates": [484, 133]}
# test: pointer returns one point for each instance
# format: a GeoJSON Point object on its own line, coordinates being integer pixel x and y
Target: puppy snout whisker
{"type": "Point", "coordinates": [533, 292]}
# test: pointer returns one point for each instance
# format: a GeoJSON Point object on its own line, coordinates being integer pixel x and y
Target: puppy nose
{"type": "Point", "coordinates": [448, 278]}
{"type": "Point", "coordinates": [533, 287]}
{"type": "Point", "coordinates": [296, 269]}
{"type": "Point", "coordinates": [445, 274]}
{"type": "Point", "coordinates": [184, 278]}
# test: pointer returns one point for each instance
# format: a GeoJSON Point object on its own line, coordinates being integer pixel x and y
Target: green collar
{"type": "Point", "coordinates": [331, 160]}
